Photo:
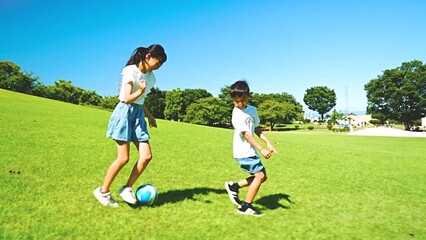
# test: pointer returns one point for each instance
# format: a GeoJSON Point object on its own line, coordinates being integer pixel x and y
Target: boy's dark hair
{"type": "Point", "coordinates": [156, 51]}
{"type": "Point", "coordinates": [239, 89]}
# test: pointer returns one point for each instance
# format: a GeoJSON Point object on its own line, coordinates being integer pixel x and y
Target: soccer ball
{"type": "Point", "coordinates": [146, 194]}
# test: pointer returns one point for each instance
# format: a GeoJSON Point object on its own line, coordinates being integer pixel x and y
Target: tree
{"type": "Point", "coordinates": [320, 99]}
{"type": "Point", "coordinates": [225, 96]}
{"type": "Point", "coordinates": [89, 98]}
{"type": "Point", "coordinates": [190, 96]}
{"type": "Point", "coordinates": [174, 100]}
{"type": "Point", "coordinates": [177, 101]}
{"type": "Point", "coordinates": [12, 78]}
{"type": "Point", "coordinates": [64, 91]}
{"type": "Point", "coordinates": [156, 102]}
{"type": "Point", "coordinates": [335, 116]}
{"type": "Point", "coordinates": [399, 94]}
{"type": "Point", "coordinates": [208, 111]}
{"type": "Point", "coordinates": [273, 112]}
{"type": "Point", "coordinates": [39, 89]}
{"type": "Point", "coordinates": [258, 98]}
{"type": "Point", "coordinates": [109, 102]}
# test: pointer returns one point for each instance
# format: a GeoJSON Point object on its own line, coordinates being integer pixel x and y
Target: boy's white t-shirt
{"type": "Point", "coordinates": [244, 120]}
{"type": "Point", "coordinates": [132, 73]}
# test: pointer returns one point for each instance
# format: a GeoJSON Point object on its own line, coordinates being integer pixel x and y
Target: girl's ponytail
{"type": "Point", "coordinates": [156, 51]}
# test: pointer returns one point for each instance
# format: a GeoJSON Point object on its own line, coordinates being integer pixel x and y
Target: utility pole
{"type": "Point", "coordinates": [347, 101]}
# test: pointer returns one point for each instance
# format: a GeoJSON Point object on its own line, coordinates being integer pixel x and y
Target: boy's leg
{"type": "Point", "coordinates": [245, 182]}
{"type": "Point", "coordinates": [233, 189]}
{"type": "Point", "coordinates": [254, 185]}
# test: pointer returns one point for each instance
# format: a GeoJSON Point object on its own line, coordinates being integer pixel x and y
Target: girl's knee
{"type": "Point", "coordinates": [146, 157]}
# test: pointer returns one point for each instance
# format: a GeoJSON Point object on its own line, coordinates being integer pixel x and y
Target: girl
{"type": "Point", "coordinates": [127, 123]}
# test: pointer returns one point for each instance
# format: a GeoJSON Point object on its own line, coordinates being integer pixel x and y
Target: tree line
{"type": "Point", "coordinates": [398, 94]}
{"type": "Point", "coordinates": [196, 106]}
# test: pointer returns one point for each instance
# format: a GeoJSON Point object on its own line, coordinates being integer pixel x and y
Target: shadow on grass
{"type": "Point", "coordinates": [174, 196]}
{"type": "Point", "coordinates": [273, 201]}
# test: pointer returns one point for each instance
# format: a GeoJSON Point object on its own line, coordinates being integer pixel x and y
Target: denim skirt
{"type": "Point", "coordinates": [127, 123]}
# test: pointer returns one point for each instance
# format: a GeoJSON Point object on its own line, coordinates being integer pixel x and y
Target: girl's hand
{"type": "Point", "coordinates": [152, 122]}
{"type": "Point", "coordinates": [142, 85]}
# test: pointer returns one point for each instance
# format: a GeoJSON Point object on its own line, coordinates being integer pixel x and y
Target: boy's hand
{"type": "Point", "coordinates": [272, 149]}
{"type": "Point", "coordinates": [266, 153]}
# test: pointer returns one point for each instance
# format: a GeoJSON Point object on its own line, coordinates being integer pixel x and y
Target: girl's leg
{"type": "Point", "coordinates": [254, 185]}
{"type": "Point", "coordinates": [145, 157]}
{"type": "Point", "coordinates": [113, 170]}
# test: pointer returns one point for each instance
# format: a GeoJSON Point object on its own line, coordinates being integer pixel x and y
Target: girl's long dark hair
{"type": "Point", "coordinates": [156, 51]}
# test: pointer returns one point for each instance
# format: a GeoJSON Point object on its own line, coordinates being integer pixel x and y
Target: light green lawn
{"type": "Point", "coordinates": [320, 186]}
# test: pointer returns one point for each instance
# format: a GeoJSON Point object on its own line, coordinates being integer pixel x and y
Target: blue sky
{"type": "Point", "coordinates": [277, 46]}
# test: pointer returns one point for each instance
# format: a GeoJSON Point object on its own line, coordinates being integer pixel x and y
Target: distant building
{"type": "Point", "coordinates": [424, 122]}
{"type": "Point", "coordinates": [358, 120]}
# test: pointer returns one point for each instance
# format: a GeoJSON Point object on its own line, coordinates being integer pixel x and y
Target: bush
{"type": "Point", "coordinates": [375, 121]}
{"type": "Point", "coordinates": [311, 127]}
{"type": "Point", "coordinates": [345, 129]}
{"type": "Point", "coordinates": [306, 120]}
{"type": "Point", "coordinates": [296, 127]}
{"type": "Point", "coordinates": [329, 126]}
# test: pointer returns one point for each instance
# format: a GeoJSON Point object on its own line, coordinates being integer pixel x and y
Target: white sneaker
{"type": "Point", "coordinates": [127, 194]}
{"type": "Point", "coordinates": [105, 198]}
{"type": "Point", "coordinates": [248, 209]}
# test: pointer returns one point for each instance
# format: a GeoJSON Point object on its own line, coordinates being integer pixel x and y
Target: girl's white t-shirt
{"type": "Point", "coordinates": [132, 73]}
{"type": "Point", "coordinates": [244, 120]}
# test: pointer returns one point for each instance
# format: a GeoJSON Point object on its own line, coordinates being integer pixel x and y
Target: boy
{"type": "Point", "coordinates": [246, 123]}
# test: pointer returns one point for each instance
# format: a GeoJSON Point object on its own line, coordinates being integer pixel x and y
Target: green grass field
{"type": "Point", "coordinates": [320, 186]}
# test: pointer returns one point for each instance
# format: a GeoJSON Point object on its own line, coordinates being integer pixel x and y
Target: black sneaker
{"type": "Point", "coordinates": [248, 209]}
{"type": "Point", "coordinates": [232, 193]}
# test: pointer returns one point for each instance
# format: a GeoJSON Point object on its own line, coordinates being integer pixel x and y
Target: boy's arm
{"type": "Point", "coordinates": [262, 136]}
{"type": "Point", "coordinates": [265, 152]}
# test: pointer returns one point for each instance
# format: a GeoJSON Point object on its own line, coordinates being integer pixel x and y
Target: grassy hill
{"type": "Point", "coordinates": [320, 186]}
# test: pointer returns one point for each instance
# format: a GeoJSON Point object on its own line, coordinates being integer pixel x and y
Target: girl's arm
{"type": "Point", "coordinates": [128, 96]}
{"type": "Point", "coordinates": [262, 136]}
{"type": "Point", "coordinates": [266, 153]}
{"type": "Point", "coordinates": [151, 119]}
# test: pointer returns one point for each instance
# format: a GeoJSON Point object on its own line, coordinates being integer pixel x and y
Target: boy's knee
{"type": "Point", "coordinates": [261, 176]}
{"type": "Point", "coordinates": [123, 161]}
